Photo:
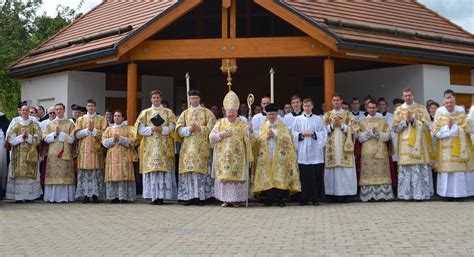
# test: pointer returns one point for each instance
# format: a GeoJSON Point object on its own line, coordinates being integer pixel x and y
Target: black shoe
{"type": "Point", "coordinates": [157, 202]}
{"type": "Point", "coordinates": [315, 203]}
{"type": "Point", "coordinates": [123, 201]}
{"type": "Point", "coordinates": [188, 203]}
{"type": "Point", "coordinates": [85, 199]}
{"type": "Point", "coordinates": [95, 199]}
{"type": "Point", "coordinates": [344, 200]}
{"type": "Point", "coordinates": [303, 203]}
{"type": "Point", "coordinates": [116, 200]}
{"type": "Point", "coordinates": [267, 204]}
{"type": "Point", "coordinates": [459, 199]}
{"type": "Point", "coordinates": [200, 203]}
{"type": "Point", "coordinates": [281, 204]}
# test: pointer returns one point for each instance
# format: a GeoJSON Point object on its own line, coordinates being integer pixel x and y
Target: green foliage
{"type": "Point", "coordinates": [22, 29]}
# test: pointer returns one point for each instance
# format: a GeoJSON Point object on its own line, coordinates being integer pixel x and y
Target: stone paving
{"type": "Point", "coordinates": [433, 228]}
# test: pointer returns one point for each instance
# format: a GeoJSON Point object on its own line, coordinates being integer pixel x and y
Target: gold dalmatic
{"type": "Point", "coordinates": [340, 147]}
{"type": "Point", "coordinates": [195, 149]}
{"type": "Point", "coordinates": [157, 150]}
{"type": "Point", "coordinates": [119, 159]}
{"type": "Point", "coordinates": [60, 166]}
{"type": "Point", "coordinates": [232, 154]}
{"type": "Point", "coordinates": [282, 171]}
{"type": "Point", "coordinates": [375, 169]}
{"type": "Point", "coordinates": [25, 155]}
{"type": "Point", "coordinates": [90, 154]}
{"type": "Point", "coordinates": [414, 142]}
{"type": "Point", "coordinates": [453, 154]}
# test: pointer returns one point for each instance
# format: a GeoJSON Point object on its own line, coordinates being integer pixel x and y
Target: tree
{"type": "Point", "coordinates": [22, 29]}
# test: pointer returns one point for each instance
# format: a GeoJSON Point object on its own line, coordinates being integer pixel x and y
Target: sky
{"type": "Point", "coordinates": [460, 12]}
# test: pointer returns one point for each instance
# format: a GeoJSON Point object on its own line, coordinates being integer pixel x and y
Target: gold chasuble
{"type": "Point", "coordinates": [414, 142]}
{"type": "Point", "coordinates": [232, 154]}
{"type": "Point", "coordinates": [282, 171]}
{"type": "Point", "coordinates": [156, 150]}
{"type": "Point", "coordinates": [195, 149]}
{"type": "Point", "coordinates": [60, 167]}
{"type": "Point", "coordinates": [90, 155]}
{"type": "Point", "coordinates": [340, 147]}
{"type": "Point", "coordinates": [453, 152]}
{"type": "Point", "coordinates": [119, 159]}
{"type": "Point", "coordinates": [375, 169]}
{"type": "Point", "coordinates": [25, 155]}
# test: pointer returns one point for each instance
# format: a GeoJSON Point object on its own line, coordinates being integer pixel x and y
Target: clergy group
{"type": "Point", "coordinates": [268, 158]}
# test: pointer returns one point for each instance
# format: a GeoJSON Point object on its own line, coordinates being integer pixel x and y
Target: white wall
{"type": "Point", "coordinates": [164, 84]}
{"type": "Point", "coordinates": [71, 87]}
{"type": "Point", "coordinates": [387, 82]}
{"type": "Point", "coordinates": [83, 86]}
{"type": "Point", "coordinates": [45, 90]}
{"type": "Point", "coordinates": [436, 79]}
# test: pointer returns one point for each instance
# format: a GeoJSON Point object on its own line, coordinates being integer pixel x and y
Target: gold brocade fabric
{"type": "Point", "coordinates": [375, 169]}
{"type": "Point", "coordinates": [195, 149]}
{"type": "Point", "coordinates": [232, 154]}
{"type": "Point", "coordinates": [119, 159]}
{"type": "Point", "coordinates": [157, 150]}
{"type": "Point", "coordinates": [453, 153]}
{"type": "Point", "coordinates": [413, 141]}
{"type": "Point", "coordinates": [60, 167]}
{"type": "Point", "coordinates": [281, 172]}
{"type": "Point", "coordinates": [90, 154]}
{"type": "Point", "coordinates": [25, 155]}
{"type": "Point", "coordinates": [338, 150]}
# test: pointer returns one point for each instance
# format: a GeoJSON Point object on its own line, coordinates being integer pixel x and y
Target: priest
{"type": "Point", "coordinates": [194, 125]}
{"type": "Point", "coordinates": [276, 173]}
{"type": "Point", "coordinates": [155, 127]}
{"type": "Point", "coordinates": [455, 180]}
{"type": "Point", "coordinates": [119, 179]}
{"type": "Point", "coordinates": [340, 179]}
{"type": "Point", "coordinates": [411, 122]}
{"type": "Point", "coordinates": [375, 180]}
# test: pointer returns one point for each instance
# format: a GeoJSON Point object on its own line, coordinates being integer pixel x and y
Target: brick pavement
{"type": "Point", "coordinates": [433, 228]}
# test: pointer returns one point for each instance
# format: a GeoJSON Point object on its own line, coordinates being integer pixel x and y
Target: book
{"type": "Point", "coordinates": [157, 120]}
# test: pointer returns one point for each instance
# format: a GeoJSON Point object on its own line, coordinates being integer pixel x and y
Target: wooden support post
{"type": "Point", "coordinates": [233, 20]}
{"type": "Point", "coordinates": [329, 85]}
{"type": "Point", "coordinates": [132, 81]}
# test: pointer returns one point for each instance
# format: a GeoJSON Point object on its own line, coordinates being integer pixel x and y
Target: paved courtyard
{"type": "Point", "coordinates": [433, 228]}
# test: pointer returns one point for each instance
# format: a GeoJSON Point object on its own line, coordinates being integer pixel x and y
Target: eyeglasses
{"type": "Point", "coordinates": [52, 113]}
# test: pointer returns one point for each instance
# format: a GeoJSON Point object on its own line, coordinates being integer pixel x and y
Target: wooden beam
{"type": "Point", "coordinates": [299, 22]}
{"type": "Point", "coordinates": [233, 20]}
{"type": "Point", "coordinates": [171, 16]}
{"type": "Point", "coordinates": [132, 86]}
{"type": "Point", "coordinates": [329, 83]}
{"type": "Point", "coordinates": [225, 22]}
{"type": "Point", "coordinates": [228, 48]}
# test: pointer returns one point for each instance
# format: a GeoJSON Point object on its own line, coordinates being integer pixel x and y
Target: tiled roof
{"type": "Point", "coordinates": [407, 15]}
{"type": "Point", "coordinates": [110, 14]}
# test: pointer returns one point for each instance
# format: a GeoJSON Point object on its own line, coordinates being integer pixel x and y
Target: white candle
{"type": "Point", "coordinates": [272, 85]}
{"type": "Point", "coordinates": [187, 87]}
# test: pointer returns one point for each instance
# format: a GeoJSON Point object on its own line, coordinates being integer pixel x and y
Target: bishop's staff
{"type": "Point", "coordinates": [250, 100]}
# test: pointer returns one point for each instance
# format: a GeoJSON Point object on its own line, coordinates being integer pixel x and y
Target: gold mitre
{"type": "Point", "coordinates": [231, 101]}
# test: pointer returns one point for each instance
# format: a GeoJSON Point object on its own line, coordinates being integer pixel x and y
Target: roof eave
{"type": "Point", "coordinates": [403, 51]}
{"type": "Point", "coordinates": [48, 65]}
